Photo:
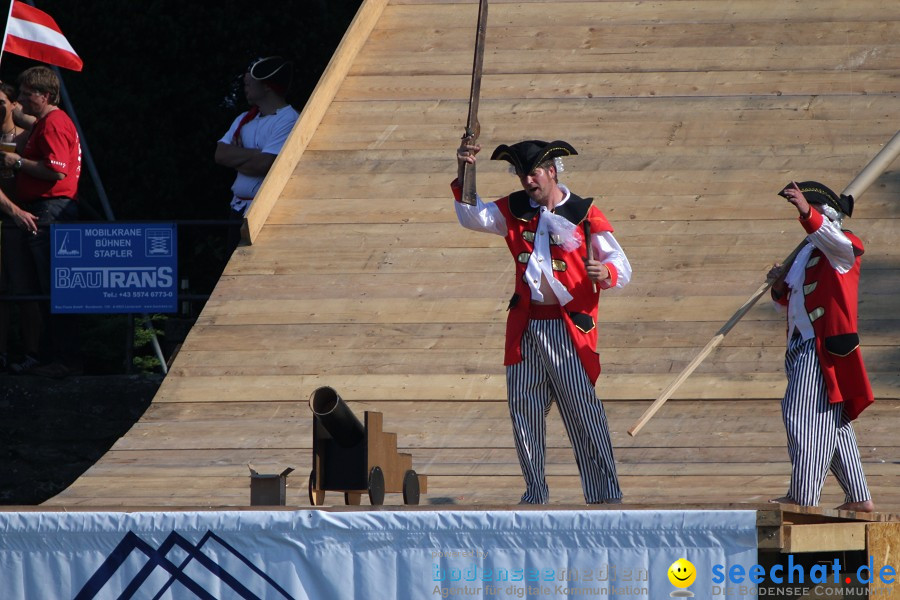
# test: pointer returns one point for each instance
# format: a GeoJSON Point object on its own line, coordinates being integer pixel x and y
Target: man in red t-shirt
{"type": "Point", "coordinates": [47, 174]}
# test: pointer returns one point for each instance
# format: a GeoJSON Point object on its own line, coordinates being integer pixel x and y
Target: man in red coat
{"type": "Point", "coordinates": [551, 333]}
{"type": "Point", "coordinates": [827, 382]}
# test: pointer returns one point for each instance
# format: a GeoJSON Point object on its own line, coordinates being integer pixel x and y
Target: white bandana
{"type": "Point", "coordinates": [563, 231]}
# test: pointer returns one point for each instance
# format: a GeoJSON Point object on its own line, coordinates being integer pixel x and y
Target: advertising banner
{"type": "Point", "coordinates": [418, 554]}
{"type": "Point", "coordinates": [114, 268]}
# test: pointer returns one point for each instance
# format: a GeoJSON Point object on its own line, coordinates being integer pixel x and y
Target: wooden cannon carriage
{"type": "Point", "coordinates": [354, 458]}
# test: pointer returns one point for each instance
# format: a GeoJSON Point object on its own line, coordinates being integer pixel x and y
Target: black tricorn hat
{"type": "Point", "coordinates": [527, 155]}
{"type": "Point", "coordinates": [818, 193]}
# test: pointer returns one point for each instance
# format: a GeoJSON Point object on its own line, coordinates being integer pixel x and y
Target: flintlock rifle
{"type": "Point", "coordinates": [473, 127]}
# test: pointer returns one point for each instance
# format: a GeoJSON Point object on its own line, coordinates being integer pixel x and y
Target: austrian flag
{"type": "Point", "coordinates": [34, 34]}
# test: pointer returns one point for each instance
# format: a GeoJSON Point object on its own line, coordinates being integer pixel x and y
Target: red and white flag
{"type": "Point", "coordinates": [34, 34]}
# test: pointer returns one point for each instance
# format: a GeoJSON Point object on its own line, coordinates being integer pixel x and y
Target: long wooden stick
{"type": "Point", "coordinates": [473, 127]}
{"type": "Point", "coordinates": [860, 183]}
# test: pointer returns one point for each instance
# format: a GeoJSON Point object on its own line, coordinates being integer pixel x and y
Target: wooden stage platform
{"type": "Point", "coordinates": [689, 115]}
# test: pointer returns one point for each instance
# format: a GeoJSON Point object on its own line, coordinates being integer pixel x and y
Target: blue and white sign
{"type": "Point", "coordinates": [114, 268]}
{"type": "Point", "coordinates": [374, 555]}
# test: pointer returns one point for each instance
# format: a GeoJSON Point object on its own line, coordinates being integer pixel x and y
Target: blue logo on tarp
{"type": "Point", "coordinates": [159, 242]}
{"type": "Point", "coordinates": [135, 569]}
{"type": "Point", "coordinates": [67, 242]}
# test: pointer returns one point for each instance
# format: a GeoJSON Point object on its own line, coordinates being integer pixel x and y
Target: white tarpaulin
{"type": "Point", "coordinates": [418, 554]}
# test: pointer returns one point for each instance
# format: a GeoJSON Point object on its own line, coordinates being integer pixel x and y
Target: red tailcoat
{"type": "Point", "coordinates": [580, 314]}
{"type": "Point", "coordinates": [831, 303]}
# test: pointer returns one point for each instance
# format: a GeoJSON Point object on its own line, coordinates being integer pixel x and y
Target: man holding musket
{"type": "Point", "coordinates": [564, 253]}
{"type": "Point", "coordinates": [827, 382]}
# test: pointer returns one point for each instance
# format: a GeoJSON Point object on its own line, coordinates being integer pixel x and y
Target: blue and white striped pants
{"type": "Point", "coordinates": [550, 370]}
{"type": "Point", "coordinates": [819, 435]}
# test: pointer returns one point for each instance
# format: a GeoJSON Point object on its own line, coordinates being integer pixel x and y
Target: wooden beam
{"type": "Point", "coordinates": [881, 544]}
{"type": "Point", "coordinates": [334, 75]}
{"type": "Point", "coordinates": [824, 537]}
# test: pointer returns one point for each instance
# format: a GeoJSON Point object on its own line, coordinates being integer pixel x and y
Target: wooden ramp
{"type": "Point", "coordinates": [688, 115]}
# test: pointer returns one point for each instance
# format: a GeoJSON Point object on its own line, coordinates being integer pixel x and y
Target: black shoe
{"type": "Point", "coordinates": [23, 367]}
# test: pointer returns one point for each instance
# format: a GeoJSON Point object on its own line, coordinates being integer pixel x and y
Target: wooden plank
{"type": "Point", "coordinates": [824, 537]}
{"type": "Point", "coordinates": [615, 187]}
{"type": "Point", "coordinates": [432, 285]}
{"type": "Point", "coordinates": [462, 490]}
{"type": "Point", "coordinates": [415, 433]}
{"type": "Point", "coordinates": [560, 462]}
{"type": "Point", "coordinates": [620, 204]}
{"type": "Point", "coordinates": [495, 263]}
{"type": "Point", "coordinates": [774, 34]}
{"type": "Point", "coordinates": [318, 102]}
{"type": "Point", "coordinates": [425, 16]}
{"type": "Point", "coordinates": [680, 486]}
{"type": "Point", "coordinates": [313, 360]}
{"type": "Point", "coordinates": [723, 414]}
{"type": "Point", "coordinates": [825, 110]}
{"type": "Point", "coordinates": [400, 310]}
{"type": "Point", "coordinates": [611, 85]}
{"type": "Point", "coordinates": [668, 148]}
{"type": "Point", "coordinates": [219, 386]}
{"type": "Point", "coordinates": [563, 466]}
{"type": "Point", "coordinates": [427, 336]}
{"type": "Point", "coordinates": [571, 58]}
{"type": "Point", "coordinates": [348, 236]}
{"type": "Point", "coordinates": [477, 460]}
{"type": "Point", "coordinates": [881, 544]}
{"type": "Point", "coordinates": [662, 139]}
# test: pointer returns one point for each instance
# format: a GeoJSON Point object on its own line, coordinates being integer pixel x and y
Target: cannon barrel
{"type": "Point", "coordinates": [336, 417]}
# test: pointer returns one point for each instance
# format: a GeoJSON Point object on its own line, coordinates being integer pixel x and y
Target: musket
{"type": "Point", "coordinates": [473, 127]}
{"type": "Point", "coordinates": [860, 183]}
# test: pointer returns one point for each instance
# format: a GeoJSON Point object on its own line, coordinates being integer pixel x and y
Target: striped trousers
{"type": "Point", "coordinates": [550, 370]}
{"type": "Point", "coordinates": [819, 436]}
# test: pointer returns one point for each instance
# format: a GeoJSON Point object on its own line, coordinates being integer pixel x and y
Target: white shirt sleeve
{"type": "Point", "coordinates": [837, 247]}
{"type": "Point", "coordinates": [281, 128]}
{"type": "Point", "coordinates": [482, 217]}
{"type": "Point", "coordinates": [229, 135]}
{"type": "Point", "coordinates": [608, 250]}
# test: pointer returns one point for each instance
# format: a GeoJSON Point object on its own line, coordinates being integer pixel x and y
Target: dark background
{"type": "Point", "coordinates": [151, 97]}
{"type": "Point", "coordinates": [160, 86]}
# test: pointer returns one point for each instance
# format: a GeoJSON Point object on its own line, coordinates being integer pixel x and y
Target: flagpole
{"type": "Point", "coordinates": [86, 155]}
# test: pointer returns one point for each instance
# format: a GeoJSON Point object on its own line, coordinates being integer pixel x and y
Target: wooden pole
{"type": "Point", "coordinates": [860, 183]}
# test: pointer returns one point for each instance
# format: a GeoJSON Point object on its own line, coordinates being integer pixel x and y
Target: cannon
{"type": "Point", "coordinates": [356, 458]}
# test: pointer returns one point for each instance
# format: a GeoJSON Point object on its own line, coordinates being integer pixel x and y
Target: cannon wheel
{"type": "Point", "coordinates": [410, 487]}
{"type": "Point", "coordinates": [352, 498]}
{"type": "Point", "coordinates": [316, 497]}
{"type": "Point", "coordinates": [376, 486]}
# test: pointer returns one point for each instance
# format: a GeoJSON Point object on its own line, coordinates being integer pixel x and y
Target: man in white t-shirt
{"type": "Point", "coordinates": [255, 138]}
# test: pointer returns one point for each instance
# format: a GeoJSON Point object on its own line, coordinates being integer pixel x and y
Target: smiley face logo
{"type": "Point", "coordinates": [682, 573]}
